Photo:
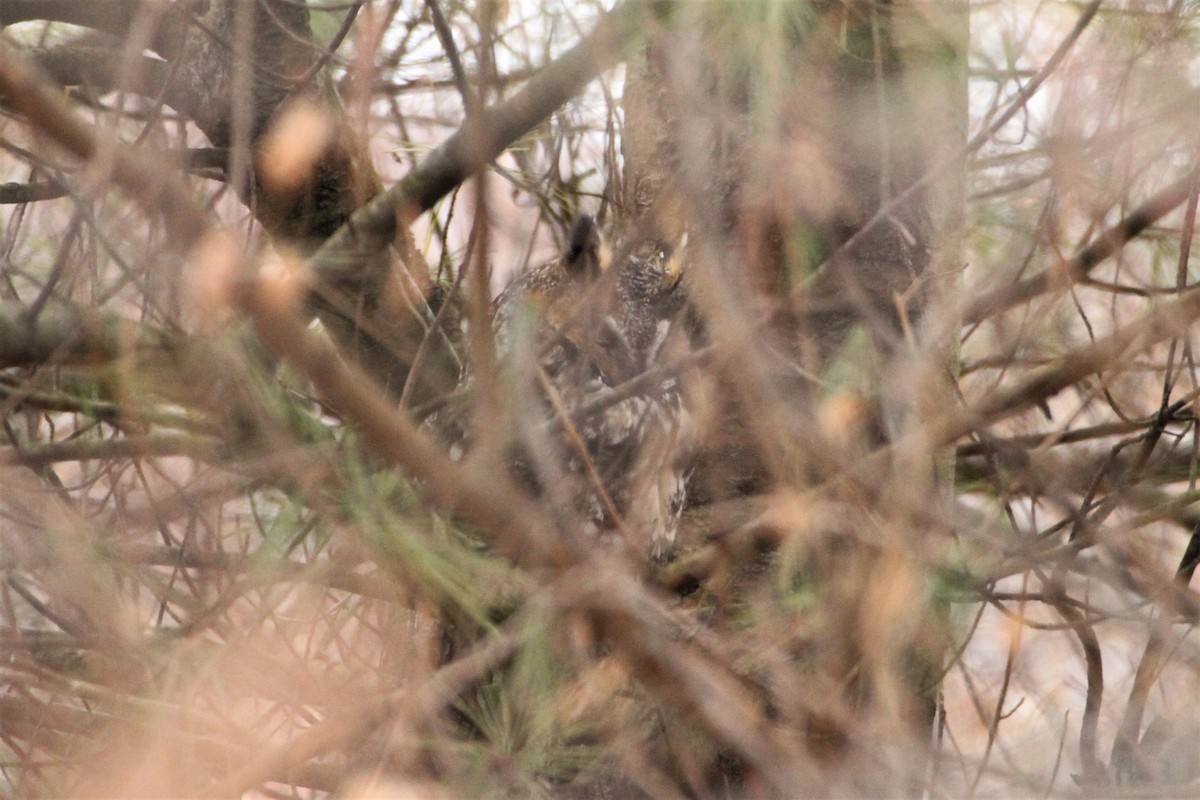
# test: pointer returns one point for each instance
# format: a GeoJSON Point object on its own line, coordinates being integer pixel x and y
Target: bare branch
{"type": "Point", "coordinates": [155, 185]}
{"type": "Point", "coordinates": [149, 446]}
{"type": "Point", "coordinates": [372, 228]}
{"type": "Point", "coordinates": [1068, 272]}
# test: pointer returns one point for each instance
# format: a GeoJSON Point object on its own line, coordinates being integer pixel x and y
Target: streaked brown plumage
{"type": "Point", "coordinates": [594, 322]}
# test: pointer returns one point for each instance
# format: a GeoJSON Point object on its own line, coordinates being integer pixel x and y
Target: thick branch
{"type": "Point", "coordinates": [99, 69]}
{"type": "Point", "coordinates": [149, 446]}
{"type": "Point", "coordinates": [115, 17]}
{"type": "Point", "coordinates": [111, 16]}
{"type": "Point", "coordinates": [61, 333]}
{"type": "Point", "coordinates": [371, 229]}
{"type": "Point", "coordinates": [16, 193]}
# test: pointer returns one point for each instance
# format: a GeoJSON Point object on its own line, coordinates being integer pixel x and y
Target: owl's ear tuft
{"type": "Point", "coordinates": [587, 253]}
{"type": "Point", "coordinates": [673, 269]}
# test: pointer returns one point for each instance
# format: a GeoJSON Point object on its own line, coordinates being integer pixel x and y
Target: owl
{"type": "Point", "coordinates": [592, 335]}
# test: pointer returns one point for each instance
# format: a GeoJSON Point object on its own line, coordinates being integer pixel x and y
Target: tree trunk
{"type": "Point", "coordinates": [785, 139]}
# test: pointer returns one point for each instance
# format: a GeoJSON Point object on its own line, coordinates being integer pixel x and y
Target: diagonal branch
{"type": "Point", "coordinates": [1168, 319]}
{"type": "Point", "coordinates": [479, 141]}
{"type": "Point", "coordinates": [1076, 268]}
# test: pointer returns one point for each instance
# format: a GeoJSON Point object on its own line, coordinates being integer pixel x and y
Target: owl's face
{"type": "Point", "coordinates": [610, 306]}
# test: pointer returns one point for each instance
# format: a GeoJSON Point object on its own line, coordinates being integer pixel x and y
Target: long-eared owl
{"type": "Point", "coordinates": [593, 336]}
